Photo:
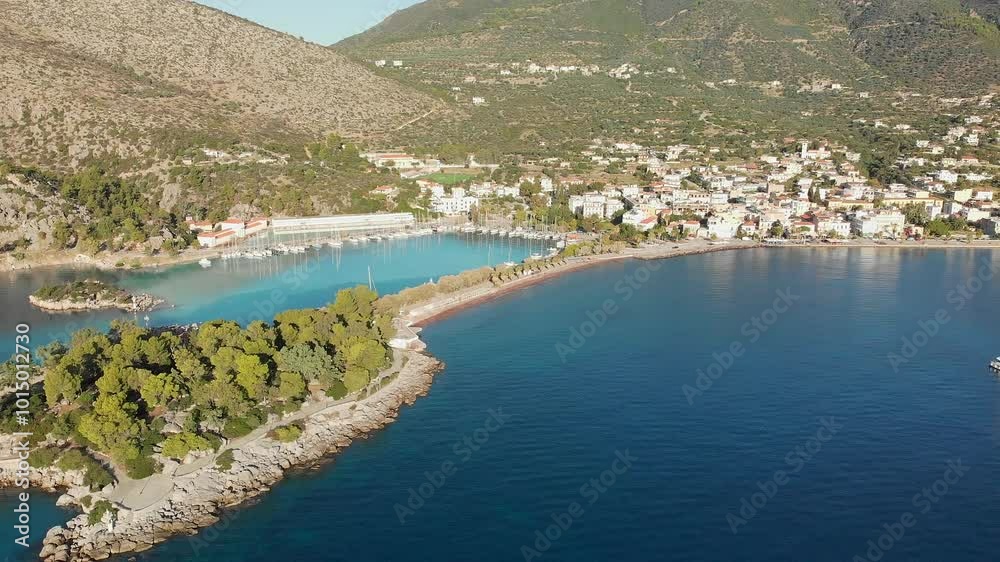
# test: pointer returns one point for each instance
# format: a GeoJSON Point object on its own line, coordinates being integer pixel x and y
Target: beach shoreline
{"type": "Point", "coordinates": [439, 308]}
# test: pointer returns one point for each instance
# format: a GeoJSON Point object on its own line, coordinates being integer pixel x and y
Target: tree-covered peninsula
{"type": "Point", "coordinates": [135, 396]}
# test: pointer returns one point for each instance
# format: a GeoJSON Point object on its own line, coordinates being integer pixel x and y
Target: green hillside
{"type": "Point", "coordinates": [953, 43]}
{"type": "Point", "coordinates": [696, 69]}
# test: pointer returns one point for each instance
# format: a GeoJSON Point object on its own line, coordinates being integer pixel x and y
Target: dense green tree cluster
{"type": "Point", "coordinates": [122, 212]}
{"type": "Point", "coordinates": [113, 392]}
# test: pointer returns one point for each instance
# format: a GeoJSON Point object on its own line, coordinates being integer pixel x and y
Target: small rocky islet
{"type": "Point", "coordinates": [91, 295]}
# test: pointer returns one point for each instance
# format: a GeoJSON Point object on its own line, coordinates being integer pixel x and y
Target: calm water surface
{"type": "Point", "coordinates": [622, 390]}
{"type": "Point", "coordinates": [248, 290]}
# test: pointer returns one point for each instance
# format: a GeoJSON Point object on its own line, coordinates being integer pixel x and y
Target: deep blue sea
{"type": "Point", "coordinates": [805, 444]}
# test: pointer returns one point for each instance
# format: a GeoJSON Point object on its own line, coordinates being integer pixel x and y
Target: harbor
{"type": "Point", "coordinates": [248, 289]}
{"type": "Point", "coordinates": [261, 238]}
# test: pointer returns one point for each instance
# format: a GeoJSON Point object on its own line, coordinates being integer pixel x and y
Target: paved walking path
{"type": "Point", "coordinates": [141, 494]}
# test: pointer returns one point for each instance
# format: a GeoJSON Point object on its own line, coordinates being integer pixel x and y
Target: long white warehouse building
{"type": "Point", "coordinates": [344, 223]}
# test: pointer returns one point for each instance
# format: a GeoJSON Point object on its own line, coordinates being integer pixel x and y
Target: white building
{"type": "Point", "coordinates": [236, 225]}
{"type": "Point", "coordinates": [885, 224]}
{"type": "Point", "coordinates": [508, 191]}
{"type": "Point", "coordinates": [835, 226]}
{"type": "Point", "coordinates": [947, 176]}
{"type": "Point", "coordinates": [398, 160]}
{"type": "Point", "coordinates": [593, 208]}
{"type": "Point", "coordinates": [639, 220]}
{"type": "Point", "coordinates": [722, 227]}
{"type": "Point", "coordinates": [215, 239]}
{"type": "Point", "coordinates": [612, 206]}
{"type": "Point", "coordinates": [454, 205]}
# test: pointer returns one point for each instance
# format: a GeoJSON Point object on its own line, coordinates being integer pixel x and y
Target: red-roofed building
{"type": "Point", "coordinates": [201, 226]}
{"type": "Point", "coordinates": [255, 226]}
{"type": "Point", "coordinates": [385, 191]}
{"type": "Point", "coordinates": [238, 226]}
{"type": "Point", "coordinates": [214, 239]}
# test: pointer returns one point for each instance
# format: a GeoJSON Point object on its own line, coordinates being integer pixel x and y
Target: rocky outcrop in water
{"type": "Point", "coordinates": [91, 295]}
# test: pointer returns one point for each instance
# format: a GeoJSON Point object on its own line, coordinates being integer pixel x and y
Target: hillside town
{"type": "Point", "coordinates": [799, 189]}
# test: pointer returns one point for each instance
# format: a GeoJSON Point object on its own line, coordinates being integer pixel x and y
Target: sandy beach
{"type": "Point", "coordinates": [443, 306]}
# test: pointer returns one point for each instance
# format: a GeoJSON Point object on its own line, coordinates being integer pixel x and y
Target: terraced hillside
{"type": "Point", "coordinates": [748, 39]}
{"type": "Point", "coordinates": [943, 45]}
{"type": "Point", "coordinates": [542, 73]}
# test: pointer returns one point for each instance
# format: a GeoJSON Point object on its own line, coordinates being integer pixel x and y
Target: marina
{"type": "Point", "coordinates": [257, 288]}
{"type": "Point", "coordinates": [299, 236]}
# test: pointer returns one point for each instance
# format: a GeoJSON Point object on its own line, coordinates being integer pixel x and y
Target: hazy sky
{"type": "Point", "coordinates": [320, 21]}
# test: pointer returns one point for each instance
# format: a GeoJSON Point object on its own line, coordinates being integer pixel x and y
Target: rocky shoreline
{"type": "Point", "coordinates": [138, 303]}
{"type": "Point", "coordinates": [197, 499]}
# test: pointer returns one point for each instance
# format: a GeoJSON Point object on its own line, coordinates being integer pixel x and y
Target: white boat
{"type": "Point", "coordinates": [995, 364]}
{"type": "Point", "coordinates": [205, 262]}
{"type": "Point", "coordinates": [336, 244]}
{"type": "Point", "coordinates": [536, 256]}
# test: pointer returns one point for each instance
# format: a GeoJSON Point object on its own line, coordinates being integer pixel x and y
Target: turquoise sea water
{"type": "Point", "coordinates": [247, 290]}
{"type": "Point", "coordinates": [490, 489]}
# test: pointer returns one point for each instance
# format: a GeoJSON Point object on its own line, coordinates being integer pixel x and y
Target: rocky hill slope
{"type": "Point", "coordinates": [144, 79]}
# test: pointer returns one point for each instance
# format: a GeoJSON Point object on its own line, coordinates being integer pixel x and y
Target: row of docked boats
{"type": "Point", "coordinates": [260, 253]}
{"type": "Point", "coordinates": [515, 233]}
